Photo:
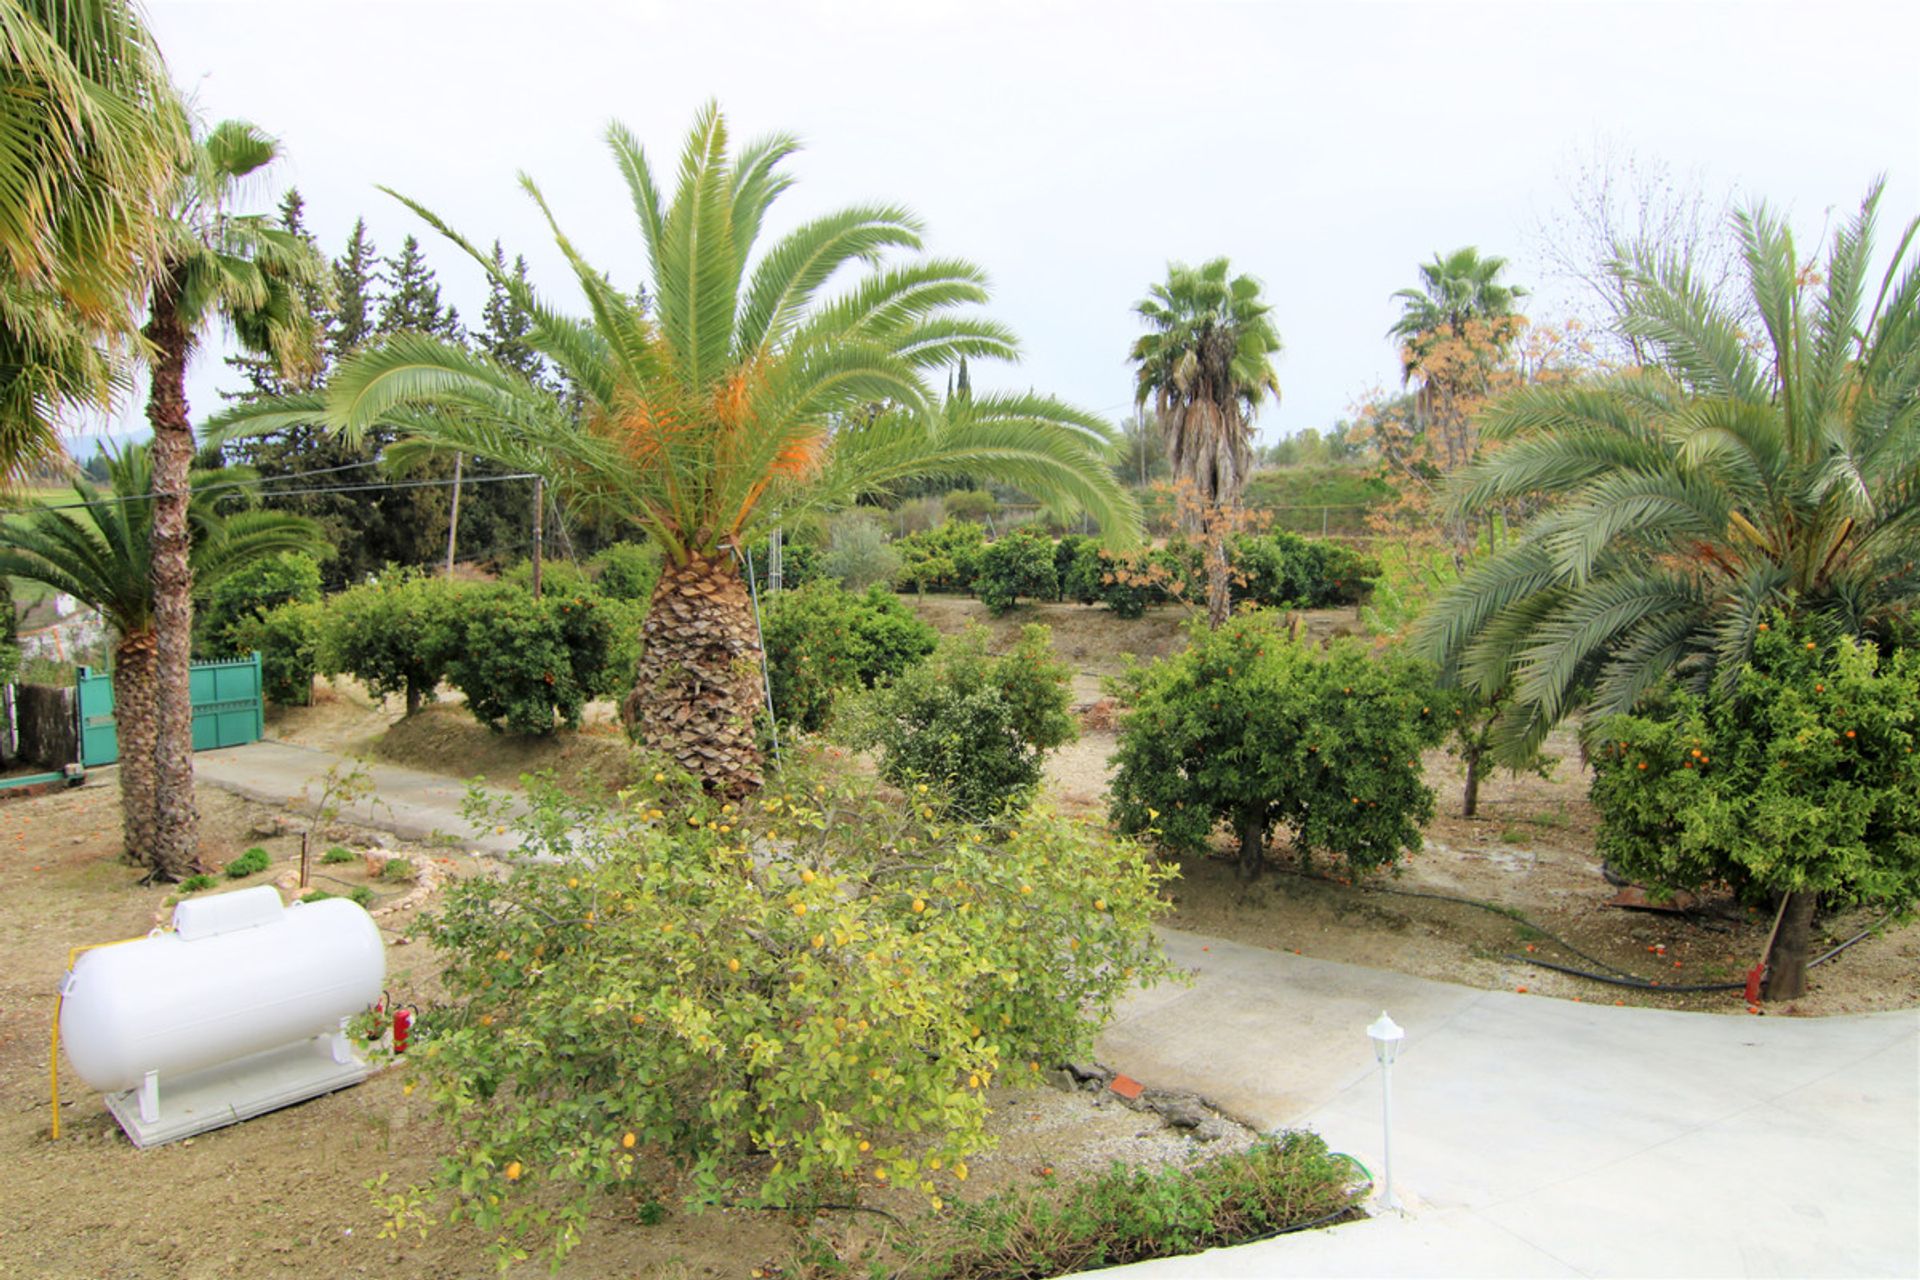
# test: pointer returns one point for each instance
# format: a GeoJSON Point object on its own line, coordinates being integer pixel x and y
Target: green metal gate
{"type": "Point", "coordinates": [227, 709]}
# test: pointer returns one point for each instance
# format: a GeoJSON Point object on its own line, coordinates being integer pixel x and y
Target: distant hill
{"type": "Point", "coordinates": [1309, 498]}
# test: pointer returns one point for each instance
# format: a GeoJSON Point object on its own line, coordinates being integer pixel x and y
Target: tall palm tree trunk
{"type": "Point", "coordinates": [133, 728]}
{"type": "Point", "coordinates": [698, 684]}
{"type": "Point", "coordinates": [176, 836]}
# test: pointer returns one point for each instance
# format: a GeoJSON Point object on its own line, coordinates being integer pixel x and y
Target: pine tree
{"type": "Point", "coordinates": [262, 373]}
{"type": "Point", "coordinates": [355, 280]}
{"type": "Point", "coordinates": [412, 304]}
{"type": "Point", "coordinates": [496, 515]}
{"type": "Point", "coordinates": [368, 528]}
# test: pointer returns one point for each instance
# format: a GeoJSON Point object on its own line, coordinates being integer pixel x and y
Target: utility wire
{"type": "Point", "coordinates": [278, 493]}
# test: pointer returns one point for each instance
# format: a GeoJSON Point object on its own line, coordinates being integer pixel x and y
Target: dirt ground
{"type": "Point", "coordinates": [285, 1194]}
{"type": "Point", "coordinates": [1529, 850]}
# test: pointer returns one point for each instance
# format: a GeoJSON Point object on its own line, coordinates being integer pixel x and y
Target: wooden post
{"type": "Point", "coordinates": [539, 529]}
{"type": "Point", "coordinates": [306, 847]}
{"type": "Point", "coordinates": [453, 516]}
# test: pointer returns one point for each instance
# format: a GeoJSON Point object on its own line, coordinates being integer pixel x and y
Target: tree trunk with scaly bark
{"type": "Point", "coordinates": [133, 730]}
{"type": "Point", "coordinates": [176, 842]}
{"type": "Point", "coordinates": [699, 681]}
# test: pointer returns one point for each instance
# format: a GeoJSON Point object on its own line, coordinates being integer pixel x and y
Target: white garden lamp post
{"type": "Point", "coordinates": [1386, 1036]}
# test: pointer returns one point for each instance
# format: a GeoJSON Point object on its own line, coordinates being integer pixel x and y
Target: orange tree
{"type": "Point", "coordinates": [1253, 728]}
{"type": "Point", "coordinates": [780, 1003]}
{"type": "Point", "coordinates": [739, 394]}
{"type": "Point", "coordinates": [1802, 782]}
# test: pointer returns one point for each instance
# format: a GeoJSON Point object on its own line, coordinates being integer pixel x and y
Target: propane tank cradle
{"type": "Point", "coordinates": [240, 1010]}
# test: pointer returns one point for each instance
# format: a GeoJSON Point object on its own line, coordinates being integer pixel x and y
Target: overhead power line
{"type": "Point", "coordinates": [278, 493]}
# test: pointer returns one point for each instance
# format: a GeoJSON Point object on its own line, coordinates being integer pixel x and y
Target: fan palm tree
{"type": "Point", "coordinates": [1740, 474]}
{"type": "Point", "coordinates": [745, 396]}
{"type": "Point", "coordinates": [1456, 292]}
{"type": "Point", "coordinates": [1207, 364]}
{"type": "Point", "coordinates": [211, 264]}
{"type": "Point", "coordinates": [90, 132]}
{"type": "Point", "coordinates": [98, 548]}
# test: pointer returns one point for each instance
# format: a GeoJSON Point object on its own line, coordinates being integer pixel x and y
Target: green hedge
{"type": "Point", "coordinates": [821, 640]}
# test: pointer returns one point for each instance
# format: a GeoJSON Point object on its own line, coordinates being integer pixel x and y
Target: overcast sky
{"type": "Point", "coordinates": [1073, 149]}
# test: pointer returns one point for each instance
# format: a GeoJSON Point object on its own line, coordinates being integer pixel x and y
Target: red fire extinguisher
{"type": "Point", "coordinates": [402, 1028]}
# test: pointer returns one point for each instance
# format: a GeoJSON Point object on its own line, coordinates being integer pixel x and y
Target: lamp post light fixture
{"type": "Point", "coordinates": [1386, 1035]}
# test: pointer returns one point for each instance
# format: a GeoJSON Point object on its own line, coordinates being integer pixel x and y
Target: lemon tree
{"type": "Point", "coordinates": [776, 1004]}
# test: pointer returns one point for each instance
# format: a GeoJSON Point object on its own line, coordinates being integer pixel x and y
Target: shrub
{"type": "Point", "coordinates": [557, 578]}
{"type": "Point", "coordinates": [250, 863]}
{"type": "Point", "coordinates": [1801, 780]}
{"type": "Point", "coordinates": [399, 871]}
{"type": "Point", "coordinates": [857, 555]}
{"type": "Point", "coordinates": [337, 854]}
{"type": "Point", "coordinates": [821, 641]}
{"type": "Point", "coordinates": [800, 562]}
{"type": "Point", "coordinates": [1253, 728]}
{"type": "Point", "coordinates": [194, 884]}
{"type": "Point", "coordinates": [1077, 562]}
{"type": "Point", "coordinates": [522, 662]}
{"type": "Point", "coordinates": [974, 505]}
{"type": "Point", "coordinates": [1125, 582]}
{"type": "Point", "coordinates": [248, 592]}
{"type": "Point", "coordinates": [973, 726]}
{"type": "Point", "coordinates": [287, 638]}
{"type": "Point", "coordinates": [395, 635]}
{"type": "Point", "coordinates": [1066, 554]}
{"type": "Point", "coordinates": [360, 896]}
{"type": "Point", "coordinates": [628, 571]}
{"type": "Point", "coordinates": [1287, 571]}
{"type": "Point", "coordinates": [1124, 1215]}
{"type": "Point", "coordinates": [942, 559]}
{"type": "Point", "coordinates": [1020, 564]}
{"type": "Point", "coordinates": [917, 515]}
{"type": "Point", "coordinates": [783, 1008]}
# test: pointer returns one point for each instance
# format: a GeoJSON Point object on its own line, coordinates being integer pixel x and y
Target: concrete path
{"type": "Point", "coordinates": [408, 802]}
{"type": "Point", "coordinates": [1543, 1137]}
{"type": "Point", "coordinates": [1531, 1136]}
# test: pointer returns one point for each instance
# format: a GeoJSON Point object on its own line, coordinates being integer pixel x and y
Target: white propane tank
{"type": "Point", "coordinates": [240, 974]}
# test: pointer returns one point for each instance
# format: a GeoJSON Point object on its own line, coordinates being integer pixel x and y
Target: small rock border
{"type": "Point", "coordinates": [1178, 1109]}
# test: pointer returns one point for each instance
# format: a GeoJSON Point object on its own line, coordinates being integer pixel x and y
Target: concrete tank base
{"type": "Point", "coordinates": [214, 1097]}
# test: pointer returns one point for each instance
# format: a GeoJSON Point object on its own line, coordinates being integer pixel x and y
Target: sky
{"type": "Point", "coordinates": [1074, 149]}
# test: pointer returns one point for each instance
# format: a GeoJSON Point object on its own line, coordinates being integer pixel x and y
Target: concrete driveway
{"type": "Point", "coordinates": [1544, 1137]}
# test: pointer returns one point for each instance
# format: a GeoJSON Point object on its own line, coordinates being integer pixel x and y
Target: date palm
{"type": "Point", "coordinates": [97, 547]}
{"type": "Point", "coordinates": [1206, 362]}
{"type": "Point", "coordinates": [747, 394]}
{"type": "Point", "coordinates": [211, 264]}
{"type": "Point", "coordinates": [90, 132]}
{"type": "Point", "coordinates": [1740, 473]}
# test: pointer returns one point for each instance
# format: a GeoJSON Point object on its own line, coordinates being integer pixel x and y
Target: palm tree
{"type": "Point", "coordinates": [1739, 475]}
{"type": "Point", "coordinates": [90, 132]}
{"type": "Point", "coordinates": [211, 264]}
{"type": "Point", "coordinates": [1455, 292]}
{"type": "Point", "coordinates": [1207, 363]}
{"type": "Point", "coordinates": [98, 549]}
{"type": "Point", "coordinates": [745, 396]}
